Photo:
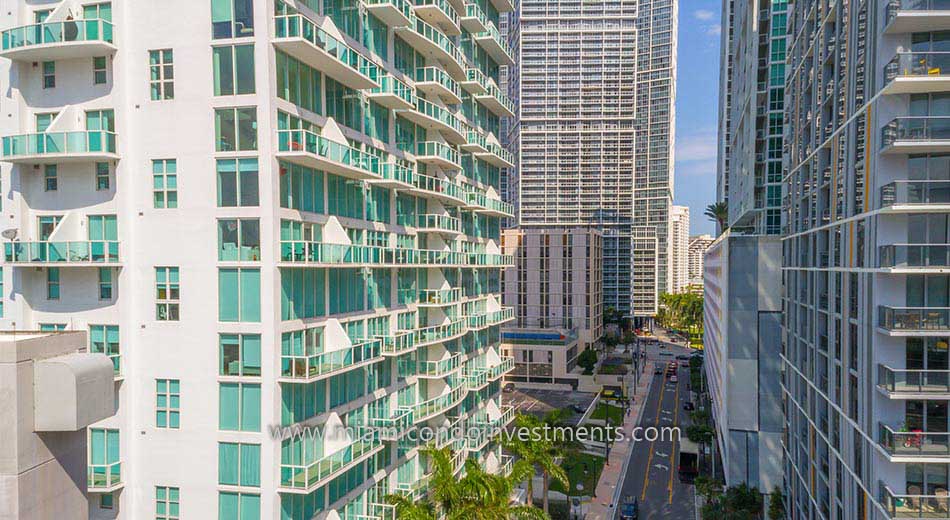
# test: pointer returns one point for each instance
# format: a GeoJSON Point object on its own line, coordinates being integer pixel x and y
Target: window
{"type": "Point", "coordinates": [232, 18]}
{"type": "Point", "coordinates": [102, 176]}
{"type": "Point", "coordinates": [52, 283]}
{"type": "Point", "coordinates": [100, 120]}
{"type": "Point", "coordinates": [49, 74]}
{"type": "Point", "coordinates": [99, 70]}
{"type": "Point", "coordinates": [41, 15]}
{"type": "Point", "coordinates": [240, 354]}
{"type": "Point", "coordinates": [239, 464]}
{"type": "Point", "coordinates": [104, 339]}
{"type": "Point", "coordinates": [235, 129]}
{"type": "Point", "coordinates": [239, 295]}
{"type": "Point", "coordinates": [49, 177]}
{"type": "Point", "coordinates": [239, 407]}
{"type": "Point", "coordinates": [165, 183]}
{"type": "Point", "coordinates": [237, 182]}
{"type": "Point", "coordinates": [233, 70]}
{"type": "Point", "coordinates": [47, 225]}
{"type": "Point", "coordinates": [167, 403]}
{"type": "Point", "coordinates": [166, 293]}
{"type": "Point", "coordinates": [101, 11]}
{"type": "Point", "coordinates": [161, 74]}
{"type": "Point", "coordinates": [104, 464]}
{"type": "Point", "coordinates": [44, 120]}
{"type": "Point", "coordinates": [52, 327]}
{"type": "Point", "coordinates": [106, 501]}
{"type": "Point", "coordinates": [238, 506]}
{"type": "Point", "coordinates": [105, 283]}
{"type": "Point", "coordinates": [239, 240]}
{"type": "Point", "coordinates": [166, 503]}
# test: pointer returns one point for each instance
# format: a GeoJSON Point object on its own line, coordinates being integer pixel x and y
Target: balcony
{"type": "Point", "coordinates": [395, 176]}
{"type": "Point", "coordinates": [60, 147]}
{"type": "Point", "coordinates": [434, 81]}
{"type": "Point", "coordinates": [914, 321]}
{"type": "Point", "coordinates": [503, 6]}
{"type": "Point", "coordinates": [435, 45]}
{"type": "Point", "coordinates": [909, 16]}
{"type": "Point", "coordinates": [914, 446]}
{"type": "Point", "coordinates": [413, 490]}
{"type": "Point", "coordinates": [478, 201]}
{"type": "Point", "coordinates": [440, 14]}
{"type": "Point", "coordinates": [917, 72]}
{"type": "Point", "coordinates": [307, 478]}
{"type": "Point", "coordinates": [440, 368]}
{"type": "Point", "coordinates": [911, 135]}
{"type": "Point", "coordinates": [490, 260]}
{"type": "Point", "coordinates": [394, 13]}
{"type": "Point", "coordinates": [507, 365]}
{"type": "Point", "coordinates": [438, 405]}
{"type": "Point", "coordinates": [916, 196]}
{"type": "Point", "coordinates": [437, 118]}
{"type": "Point", "coordinates": [915, 258]}
{"type": "Point", "coordinates": [301, 38]}
{"type": "Point", "coordinates": [439, 297]}
{"type": "Point", "coordinates": [104, 478]}
{"type": "Point", "coordinates": [913, 384]}
{"type": "Point", "coordinates": [51, 41]}
{"type": "Point", "coordinates": [393, 93]}
{"type": "Point", "coordinates": [442, 224]}
{"type": "Point", "coordinates": [393, 428]}
{"type": "Point", "coordinates": [305, 367]}
{"type": "Point", "coordinates": [315, 151]}
{"type": "Point", "coordinates": [438, 154]}
{"type": "Point", "coordinates": [493, 43]}
{"type": "Point", "coordinates": [475, 82]}
{"type": "Point", "coordinates": [490, 319]}
{"type": "Point", "coordinates": [474, 19]}
{"type": "Point", "coordinates": [441, 333]}
{"type": "Point", "coordinates": [905, 507]}
{"type": "Point", "coordinates": [399, 343]}
{"type": "Point", "coordinates": [498, 156]}
{"type": "Point", "coordinates": [475, 143]}
{"type": "Point", "coordinates": [494, 100]}
{"type": "Point", "coordinates": [446, 191]}
{"type": "Point", "coordinates": [476, 379]}
{"type": "Point", "coordinates": [93, 253]}
{"type": "Point", "coordinates": [302, 252]}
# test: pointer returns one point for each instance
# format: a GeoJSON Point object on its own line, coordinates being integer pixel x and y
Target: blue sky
{"type": "Point", "coordinates": [697, 103]}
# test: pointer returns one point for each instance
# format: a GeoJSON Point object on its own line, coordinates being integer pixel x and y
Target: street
{"type": "Point", "coordinates": [652, 475]}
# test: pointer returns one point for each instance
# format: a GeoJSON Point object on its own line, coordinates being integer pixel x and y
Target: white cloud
{"type": "Point", "coordinates": [696, 153]}
{"type": "Point", "coordinates": [703, 14]}
{"type": "Point", "coordinates": [714, 30]}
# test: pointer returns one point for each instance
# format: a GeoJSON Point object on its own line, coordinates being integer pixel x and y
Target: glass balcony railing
{"type": "Point", "coordinates": [442, 115]}
{"type": "Point", "coordinates": [446, 11]}
{"type": "Point", "coordinates": [439, 150]}
{"type": "Point", "coordinates": [914, 504]}
{"type": "Point", "coordinates": [917, 64]}
{"type": "Point", "coordinates": [914, 443]}
{"type": "Point", "coordinates": [499, 47]}
{"type": "Point", "coordinates": [440, 186]}
{"type": "Point", "coordinates": [501, 153]}
{"type": "Point", "coordinates": [506, 365]}
{"type": "Point", "coordinates": [85, 251]}
{"type": "Point", "coordinates": [389, 84]}
{"type": "Point", "coordinates": [438, 405]}
{"type": "Point", "coordinates": [915, 192]}
{"type": "Point", "coordinates": [308, 252]}
{"type": "Point", "coordinates": [414, 490]}
{"type": "Point", "coordinates": [438, 368]}
{"type": "Point", "coordinates": [104, 476]}
{"type": "Point", "coordinates": [315, 474]}
{"type": "Point", "coordinates": [490, 319]}
{"type": "Point", "coordinates": [474, 12]}
{"type": "Point", "coordinates": [894, 7]}
{"type": "Point", "coordinates": [476, 197]}
{"type": "Point", "coordinates": [317, 145]}
{"type": "Point", "coordinates": [52, 33]}
{"type": "Point", "coordinates": [397, 173]}
{"type": "Point", "coordinates": [491, 259]}
{"type": "Point", "coordinates": [401, 6]}
{"type": "Point", "coordinates": [476, 379]}
{"type": "Point", "coordinates": [307, 366]}
{"type": "Point", "coordinates": [298, 26]}
{"type": "Point", "coordinates": [399, 342]}
{"type": "Point", "coordinates": [440, 222]}
{"type": "Point", "coordinates": [392, 428]}
{"type": "Point", "coordinates": [440, 296]}
{"type": "Point", "coordinates": [913, 381]}
{"type": "Point", "coordinates": [441, 41]}
{"type": "Point", "coordinates": [914, 319]}
{"type": "Point", "coordinates": [79, 143]}
{"type": "Point", "coordinates": [506, 104]}
{"type": "Point", "coordinates": [507, 463]}
{"type": "Point", "coordinates": [477, 140]}
{"type": "Point", "coordinates": [440, 333]}
{"type": "Point", "coordinates": [909, 256]}
{"type": "Point", "coordinates": [919, 129]}
{"type": "Point", "coordinates": [439, 76]}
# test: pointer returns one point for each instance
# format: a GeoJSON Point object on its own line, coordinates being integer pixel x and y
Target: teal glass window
{"type": "Point", "coordinates": [375, 35]}
{"type": "Point", "coordinates": [344, 104]}
{"type": "Point", "coordinates": [232, 18]}
{"type": "Point", "coordinates": [104, 457]}
{"type": "Point", "coordinates": [101, 11]}
{"type": "Point", "coordinates": [50, 179]}
{"type": "Point", "coordinates": [100, 120]}
{"type": "Point", "coordinates": [103, 180]}
{"type": "Point", "coordinates": [105, 283]}
{"type": "Point", "coordinates": [347, 288]}
{"type": "Point", "coordinates": [240, 354]}
{"type": "Point", "coordinates": [238, 506]}
{"type": "Point", "coordinates": [345, 197]}
{"type": "Point", "coordinates": [298, 83]}
{"type": "Point", "coordinates": [303, 293]}
{"type": "Point", "coordinates": [239, 295]}
{"type": "Point", "coordinates": [49, 74]}
{"type": "Point", "coordinates": [233, 69]}
{"type": "Point", "coordinates": [239, 240]}
{"type": "Point", "coordinates": [52, 327]}
{"type": "Point", "coordinates": [167, 503]}
{"type": "Point", "coordinates": [106, 501]}
{"type": "Point", "coordinates": [239, 464]}
{"type": "Point", "coordinates": [237, 182]}
{"type": "Point", "coordinates": [377, 205]}
{"type": "Point", "coordinates": [167, 403]}
{"type": "Point", "coordinates": [44, 120]}
{"type": "Point", "coordinates": [301, 188]}
{"type": "Point", "coordinates": [167, 293]}
{"type": "Point", "coordinates": [235, 129]}
{"type": "Point", "coordinates": [41, 15]}
{"type": "Point", "coordinates": [376, 124]}
{"type": "Point", "coordinates": [52, 283]}
{"type": "Point", "coordinates": [165, 183]}
{"type": "Point", "coordinates": [239, 407]}
{"type": "Point", "coordinates": [104, 339]}
{"type": "Point", "coordinates": [161, 74]}
{"type": "Point", "coordinates": [103, 227]}
{"type": "Point", "coordinates": [99, 70]}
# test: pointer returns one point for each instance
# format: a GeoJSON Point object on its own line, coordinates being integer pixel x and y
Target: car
{"type": "Point", "coordinates": [662, 345]}
{"type": "Point", "coordinates": [688, 406]}
{"type": "Point", "coordinates": [685, 364]}
{"type": "Point", "coordinates": [578, 408]}
{"type": "Point", "coordinates": [682, 357]}
{"type": "Point", "coordinates": [673, 379]}
{"type": "Point", "coordinates": [673, 340]}
{"type": "Point", "coordinates": [658, 371]}
{"type": "Point", "coordinates": [630, 509]}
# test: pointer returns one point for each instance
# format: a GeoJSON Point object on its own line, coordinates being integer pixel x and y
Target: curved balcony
{"type": "Point", "coordinates": [898, 383]}
{"type": "Point", "coordinates": [503, 6]}
{"type": "Point", "coordinates": [399, 343]}
{"type": "Point", "coordinates": [394, 13]}
{"type": "Point", "coordinates": [490, 319]}
{"type": "Point", "coordinates": [440, 14]}
{"type": "Point", "coordinates": [914, 505]}
{"type": "Point", "coordinates": [910, 16]}
{"type": "Point", "coordinates": [393, 428]}
{"type": "Point", "coordinates": [439, 297]}
{"type": "Point", "coordinates": [476, 379]}
{"type": "Point", "coordinates": [446, 191]}
{"type": "Point", "coordinates": [315, 151]}
{"type": "Point", "coordinates": [439, 154]}
{"type": "Point", "coordinates": [302, 252]}
{"type": "Point", "coordinates": [497, 156]}
{"type": "Point", "coordinates": [496, 101]}
{"type": "Point", "coordinates": [474, 19]}
{"type": "Point", "coordinates": [299, 37]}
{"type": "Point", "coordinates": [436, 82]}
{"type": "Point", "coordinates": [914, 446]}
{"type": "Point", "coordinates": [439, 368]}
{"type": "Point", "coordinates": [60, 147]}
{"type": "Point", "coordinates": [438, 405]}
{"type": "Point", "coordinates": [395, 176]}
{"type": "Point", "coordinates": [479, 202]}
{"type": "Point", "coordinates": [917, 196]}
{"type": "Point", "coordinates": [914, 321]}
{"type": "Point", "coordinates": [917, 72]}
{"type": "Point", "coordinates": [443, 224]}
{"type": "Point", "coordinates": [494, 45]}
{"type": "Point", "coordinates": [304, 367]}
{"type": "Point", "coordinates": [491, 260]}
{"type": "Point", "coordinates": [51, 41]}
{"type": "Point", "coordinates": [507, 365]}
{"type": "Point", "coordinates": [305, 478]}
{"type": "Point", "coordinates": [911, 135]}
{"type": "Point", "coordinates": [94, 253]}
{"type": "Point", "coordinates": [433, 117]}
{"type": "Point", "coordinates": [441, 333]}
{"type": "Point", "coordinates": [915, 258]}
{"type": "Point", "coordinates": [475, 82]}
{"type": "Point", "coordinates": [435, 45]}
{"type": "Point", "coordinates": [476, 143]}
{"type": "Point", "coordinates": [393, 93]}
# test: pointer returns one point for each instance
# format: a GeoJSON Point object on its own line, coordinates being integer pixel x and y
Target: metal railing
{"type": "Point", "coordinates": [913, 381]}
{"type": "Point", "coordinates": [49, 33]}
{"type": "Point", "coordinates": [307, 141]}
{"type": "Point", "coordinates": [916, 128]}
{"type": "Point", "coordinates": [299, 26]}
{"type": "Point", "coordinates": [915, 192]}
{"type": "Point", "coordinates": [914, 255]}
{"type": "Point", "coordinates": [914, 319]}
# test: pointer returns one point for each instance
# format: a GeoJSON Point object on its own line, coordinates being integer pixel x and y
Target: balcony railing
{"type": "Point", "coordinates": [80, 252]}
{"type": "Point", "coordinates": [329, 52]}
{"type": "Point", "coordinates": [914, 319]}
{"type": "Point", "coordinates": [305, 252]}
{"type": "Point", "coordinates": [319, 472]}
{"type": "Point", "coordinates": [442, 153]}
{"type": "Point", "coordinates": [439, 368]}
{"type": "Point", "coordinates": [506, 365]}
{"type": "Point", "coordinates": [305, 367]}
{"type": "Point", "coordinates": [895, 8]}
{"type": "Point", "coordinates": [914, 505]}
{"type": "Point", "coordinates": [440, 333]}
{"type": "Point", "coordinates": [907, 256]}
{"type": "Point", "coordinates": [440, 223]}
{"type": "Point", "coordinates": [475, 81]}
{"type": "Point", "coordinates": [916, 129]}
{"type": "Point", "coordinates": [330, 155]}
{"type": "Point", "coordinates": [454, 60]}
{"type": "Point", "coordinates": [495, 45]}
{"type": "Point", "coordinates": [57, 39]}
{"type": "Point", "coordinates": [399, 342]}
{"type": "Point", "coordinates": [437, 405]}
{"type": "Point", "coordinates": [67, 145]}
{"type": "Point", "coordinates": [913, 381]}
{"type": "Point", "coordinates": [396, 13]}
{"type": "Point", "coordinates": [104, 476]}
{"type": "Point", "coordinates": [490, 319]}
{"type": "Point", "coordinates": [915, 192]}
{"type": "Point", "coordinates": [392, 428]}
{"type": "Point", "coordinates": [914, 443]}
{"type": "Point", "coordinates": [393, 93]}
{"type": "Point", "coordinates": [476, 379]}
{"type": "Point", "coordinates": [446, 14]}
{"type": "Point", "coordinates": [440, 187]}
{"type": "Point", "coordinates": [474, 20]}
{"type": "Point", "coordinates": [917, 64]}
{"type": "Point", "coordinates": [450, 123]}
{"type": "Point", "coordinates": [436, 75]}
{"type": "Point", "coordinates": [440, 296]}
{"type": "Point", "coordinates": [397, 173]}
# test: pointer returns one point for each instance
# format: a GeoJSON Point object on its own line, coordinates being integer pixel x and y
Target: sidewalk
{"type": "Point", "coordinates": [602, 506]}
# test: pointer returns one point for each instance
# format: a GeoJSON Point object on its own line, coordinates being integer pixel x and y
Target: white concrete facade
{"type": "Point", "coordinates": [679, 249]}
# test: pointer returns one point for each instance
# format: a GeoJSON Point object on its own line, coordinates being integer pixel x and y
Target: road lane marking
{"type": "Point", "coordinates": [656, 422]}
{"type": "Point", "coordinates": [676, 408]}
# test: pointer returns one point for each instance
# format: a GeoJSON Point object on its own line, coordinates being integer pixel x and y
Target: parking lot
{"type": "Point", "coordinates": [539, 402]}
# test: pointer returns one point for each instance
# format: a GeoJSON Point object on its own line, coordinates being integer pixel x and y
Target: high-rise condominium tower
{"type": "Point", "coordinates": [595, 84]}
{"type": "Point", "coordinates": [679, 248]}
{"type": "Point", "coordinates": [267, 214]}
{"type": "Point", "coordinates": [865, 259]}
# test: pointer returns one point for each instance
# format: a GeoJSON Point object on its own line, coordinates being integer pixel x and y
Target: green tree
{"type": "Point", "coordinates": [719, 213]}
{"type": "Point", "coordinates": [539, 449]}
{"type": "Point", "coordinates": [587, 360]}
{"type": "Point", "coordinates": [776, 504]}
{"type": "Point", "coordinates": [736, 503]}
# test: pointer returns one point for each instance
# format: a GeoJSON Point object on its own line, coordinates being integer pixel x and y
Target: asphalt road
{"type": "Point", "coordinates": [652, 476]}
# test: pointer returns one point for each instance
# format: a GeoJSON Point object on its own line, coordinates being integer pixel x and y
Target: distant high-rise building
{"type": "Point", "coordinates": [595, 83]}
{"type": "Point", "coordinates": [679, 249]}
{"type": "Point", "coordinates": [698, 244]}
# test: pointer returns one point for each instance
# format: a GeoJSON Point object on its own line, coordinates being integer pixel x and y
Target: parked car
{"type": "Point", "coordinates": [673, 379]}
{"type": "Point", "coordinates": [658, 371]}
{"type": "Point", "coordinates": [578, 408]}
{"type": "Point", "coordinates": [689, 406]}
{"type": "Point", "coordinates": [630, 509]}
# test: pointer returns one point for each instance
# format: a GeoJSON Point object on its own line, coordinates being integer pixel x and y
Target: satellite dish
{"type": "Point", "coordinates": [9, 234]}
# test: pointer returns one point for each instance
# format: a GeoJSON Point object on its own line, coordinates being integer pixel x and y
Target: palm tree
{"type": "Point", "coordinates": [538, 452]}
{"type": "Point", "coordinates": [718, 212]}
